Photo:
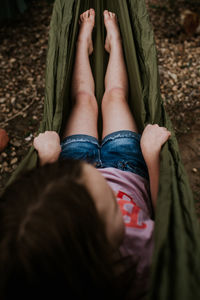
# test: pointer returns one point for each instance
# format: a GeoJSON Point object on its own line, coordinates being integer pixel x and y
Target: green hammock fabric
{"type": "Point", "coordinates": [175, 272]}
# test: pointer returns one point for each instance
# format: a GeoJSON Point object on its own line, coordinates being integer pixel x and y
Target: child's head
{"type": "Point", "coordinates": [60, 226]}
{"type": "Point", "coordinates": [105, 203]}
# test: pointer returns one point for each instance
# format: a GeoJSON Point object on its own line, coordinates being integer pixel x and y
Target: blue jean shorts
{"type": "Point", "coordinates": [120, 150]}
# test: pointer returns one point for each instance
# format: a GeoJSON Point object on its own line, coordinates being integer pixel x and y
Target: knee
{"type": "Point", "coordinates": [86, 99]}
{"type": "Point", "coordinates": [114, 95]}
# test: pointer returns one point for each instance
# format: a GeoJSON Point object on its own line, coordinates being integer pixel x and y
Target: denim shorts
{"type": "Point", "coordinates": [120, 150]}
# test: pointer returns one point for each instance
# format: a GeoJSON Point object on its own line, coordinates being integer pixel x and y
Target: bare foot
{"type": "Point", "coordinates": [113, 32]}
{"type": "Point", "coordinates": [86, 22]}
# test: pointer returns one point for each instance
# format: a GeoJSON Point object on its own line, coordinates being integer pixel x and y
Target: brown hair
{"type": "Point", "coordinates": [52, 239]}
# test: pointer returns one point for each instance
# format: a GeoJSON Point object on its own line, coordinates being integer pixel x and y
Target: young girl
{"type": "Point", "coordinates": [81, 225]}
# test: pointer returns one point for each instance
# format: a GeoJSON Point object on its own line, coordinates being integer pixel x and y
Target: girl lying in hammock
{"type": "Point", "coordinates": [81, 225]}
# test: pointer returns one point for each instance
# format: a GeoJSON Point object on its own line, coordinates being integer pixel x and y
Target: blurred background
{"type": "Point", "coordinates": [24, 27]}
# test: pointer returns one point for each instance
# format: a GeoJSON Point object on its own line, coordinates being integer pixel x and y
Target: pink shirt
{"type": "Point", "coordinates": [133, 196]}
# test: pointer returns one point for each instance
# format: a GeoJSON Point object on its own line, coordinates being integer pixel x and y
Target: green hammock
{"type": "Point", "coordinates": [175, 272]}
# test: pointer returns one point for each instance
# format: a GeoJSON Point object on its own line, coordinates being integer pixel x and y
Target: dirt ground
{"type": "Point", "coordinates": [178, 60]}
{"type": "Point", "coordinates": [23, 48]}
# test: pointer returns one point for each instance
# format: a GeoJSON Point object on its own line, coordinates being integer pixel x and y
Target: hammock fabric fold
{"type": "Point", "coordinates": [175, 271]}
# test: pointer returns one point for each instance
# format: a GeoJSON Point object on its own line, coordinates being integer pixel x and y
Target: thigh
{"type": "Point", "coordinates": [83, 117]}
{"type": "Point", "coordinates": [116, 113]}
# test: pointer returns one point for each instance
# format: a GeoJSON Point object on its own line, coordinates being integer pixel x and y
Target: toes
{"type": "Point", "coordinates": [109, 14]}
{"type": "Point", "coordinates": [92, 12]}
{"type": "Point", "coordinates": [106, 13]}
{"type": "Point", "coordinates": [84, 15]}
{"type": "Point", "coordinates": [87, 14]}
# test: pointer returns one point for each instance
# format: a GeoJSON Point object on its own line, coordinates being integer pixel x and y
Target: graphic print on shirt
{"type": "Point", "coordinates": [130, 211]}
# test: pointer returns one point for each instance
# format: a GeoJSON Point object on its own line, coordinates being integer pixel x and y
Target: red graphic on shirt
{"type": "Point", "coordinates": [130, 211]}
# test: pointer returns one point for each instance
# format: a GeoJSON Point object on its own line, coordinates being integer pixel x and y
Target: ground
{"type": "Point", "coordinates": [178, 60]}
{"type": "Point", "coordinates": [22, 61]}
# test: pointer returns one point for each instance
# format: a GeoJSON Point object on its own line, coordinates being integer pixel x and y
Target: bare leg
{"type": "Point", "coordinates": [83, 119]}
{"type": "Point", "coordinates": [115, 109]}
